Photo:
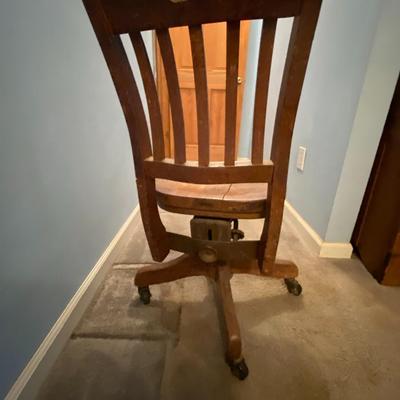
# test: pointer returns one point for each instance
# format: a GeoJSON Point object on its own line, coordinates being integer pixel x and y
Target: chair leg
{"type": "Point", "coordinates": [234, 356]}
{"type": "Point", "coordinates": [190, 265]}
{"type": "Point", "coordinates": [182, 267]}
{"type": "Point", "coordinates": [282, 269]}
{"type": "Point", "coordinates": [293, 286]}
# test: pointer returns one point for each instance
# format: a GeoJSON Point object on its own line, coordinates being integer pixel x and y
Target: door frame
{"type": "Point", "coordinates": [373, 193]}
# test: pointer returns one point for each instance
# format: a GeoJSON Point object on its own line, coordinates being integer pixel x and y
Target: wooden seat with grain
{"type": "Point", "coordinates": [216, 194]}
{"type": "Point", "coordinates": [235, 200]}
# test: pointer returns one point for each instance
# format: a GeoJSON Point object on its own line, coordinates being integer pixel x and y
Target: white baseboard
{"type": "Point", "coordinates": [324, 249]}
{"type": "Point", "coordinates": [336, 250]}
{"type": "Point", "coordinates": [33, 375]}
{"type": "Point", "coordinates": [302, 226]}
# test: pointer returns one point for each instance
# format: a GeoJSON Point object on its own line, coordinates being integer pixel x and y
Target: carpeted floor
{"type": "Point", "coordinates": [339, 340]}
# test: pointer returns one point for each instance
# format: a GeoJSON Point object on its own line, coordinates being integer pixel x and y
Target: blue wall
{"type": "Point", "coordinates": [332, 87]}
{"type": "Point", "coordinates": [328, 104]}
{"type": "Point", "coordinates": [66, 171]}
{"type": "Point", "coordinates": [373, 106]}
{"type": "Point", "coordinates": [278, 62]}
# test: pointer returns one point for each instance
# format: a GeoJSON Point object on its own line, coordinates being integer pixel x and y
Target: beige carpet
{"type": "Point", "coordinates": [339, 340]}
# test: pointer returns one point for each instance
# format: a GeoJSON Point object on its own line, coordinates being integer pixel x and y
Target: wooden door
{"type": "Point", "coordinates": [378, 223]}
{"type": "Point", "coordinates": [392, 272]}
{"type": "Point", "coordinates": [215, 51]}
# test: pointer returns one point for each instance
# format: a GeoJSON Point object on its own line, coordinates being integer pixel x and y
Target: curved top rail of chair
{"type": "Point", "coordinates": [126, 15]}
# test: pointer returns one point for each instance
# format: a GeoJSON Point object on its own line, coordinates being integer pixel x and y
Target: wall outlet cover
{"type": "Point", "coordinates": [301, 157]}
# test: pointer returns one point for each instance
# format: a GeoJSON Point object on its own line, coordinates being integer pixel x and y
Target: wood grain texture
{"type": "Point", "coordinates": [378, 222]}
{"type": "Point", "coordinates": [128, 93]}
{"type": "Point", "coordinates": [260, 102]}
{"type": "Point", "coordinates": [232, 69]}
{"type": "Point", "coordinates": [281, 269]}
{"type": "Point", "coordinates": [127, 15]}
{"type": "Point", "coordinates": [151, 95]}
{"type": "Point", "coordinates": [215, 54]}
{"type": "Point", "coordinates": [191, 172]}
{"type": "Point", "coordinates": [392, 272]}
{"type": "Point", "coordinates": [292, 81]}
{"type": "Point", "coordinates": [228, 317]}
{"type": "Point", "coordinates": [237, 200]}
{"type": "Point", "coordinates": [242, 250]}
{"type": "Point", "coordinates": [162, 90]}
{"type": "Point", "coordinates": [167, 54]}
{"type": "Point", "coordinates": [257, 257]}
{"type": "Point", "coordinates": [155, 231]}
{"type": "Point", "coordinates": [200, 77]}
{"type": "Point", "coordinates": [181, 267]}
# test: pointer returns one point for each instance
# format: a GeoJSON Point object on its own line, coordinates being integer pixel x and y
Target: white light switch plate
{"type": "Point", "coordinates": [301, 157]}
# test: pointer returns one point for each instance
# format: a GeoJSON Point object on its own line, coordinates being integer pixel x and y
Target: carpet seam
{"type": "Point", "coordinates": [119, 337]}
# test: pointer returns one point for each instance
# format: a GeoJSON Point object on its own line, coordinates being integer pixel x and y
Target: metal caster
{"type": "Point", "coordinates": [293, 286]}
{"type": "Point", "coordinates": [144, 294]}
{"type": "Point", "coordinates": [237, 234]}
{"type": "Point", "coordinates": [239, 369]}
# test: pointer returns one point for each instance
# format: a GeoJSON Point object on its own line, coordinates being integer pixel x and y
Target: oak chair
{"type": "Point", "coordinates": [217, 194]}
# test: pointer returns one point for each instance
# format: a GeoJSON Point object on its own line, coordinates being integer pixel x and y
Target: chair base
{"type": "Point", "coordinates": [190, 265]}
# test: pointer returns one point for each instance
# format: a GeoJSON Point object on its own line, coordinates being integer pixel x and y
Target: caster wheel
{"type": "Point", "coordinates": [144, 294]}
{"type": "Point", "coordinates": [293, 286]}
{"type": "Point", "coordinates": [239, 369]}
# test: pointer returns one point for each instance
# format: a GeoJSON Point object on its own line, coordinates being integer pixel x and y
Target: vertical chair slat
{"type": "Point", "coordinates": [301, 38]}
{"type": "Point", "coordinates": [260, 103]}
{"type": "Point", "coordinates": [131, 103]}
{"type": "Point", "coordinates": [232, 68]}
{"type": "Point", "coordinates": [167, 54]}
{"type": "Point", "coordinates": [200, 78]}
{"type": "Point", "coordinates": [151, 95]}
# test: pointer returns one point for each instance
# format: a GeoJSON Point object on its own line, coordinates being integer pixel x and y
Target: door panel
{"type": "Point", "coordinates": [217, 123]}
{"type": "Point", "coordinates": [215, 52]}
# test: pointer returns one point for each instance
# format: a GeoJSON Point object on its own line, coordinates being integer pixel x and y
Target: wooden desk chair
{"type": "Point", "coordinates": [216, 194]}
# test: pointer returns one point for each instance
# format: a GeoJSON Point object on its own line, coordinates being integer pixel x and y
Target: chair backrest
{"type": "Point", "coordinates": [111, 18]}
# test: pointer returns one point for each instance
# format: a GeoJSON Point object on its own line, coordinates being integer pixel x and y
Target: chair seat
{"type": "Point", "coordinates": [237, 200]}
